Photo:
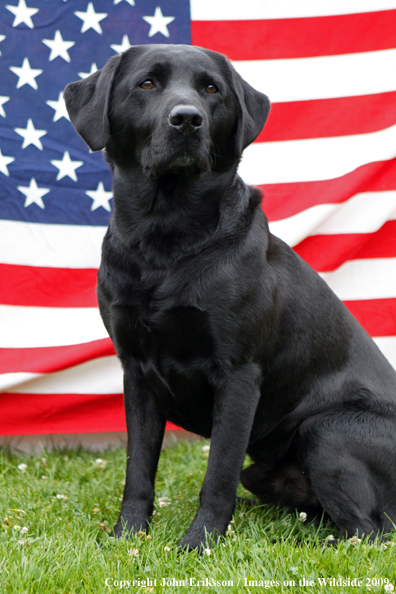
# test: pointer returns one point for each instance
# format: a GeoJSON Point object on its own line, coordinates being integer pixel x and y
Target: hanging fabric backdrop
{"type": "Point", "coordinates": [326, 162]}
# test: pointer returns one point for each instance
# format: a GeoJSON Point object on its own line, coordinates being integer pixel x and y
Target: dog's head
{"type": "Point", "coordinates": [167, 108]}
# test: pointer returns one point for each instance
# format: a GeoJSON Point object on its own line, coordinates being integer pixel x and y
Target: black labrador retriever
{"type": "Point", "coordinates": [220, 327]}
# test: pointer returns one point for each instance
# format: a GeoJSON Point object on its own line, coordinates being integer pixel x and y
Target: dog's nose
{"type": "Point", "coordinates": [185, 118]}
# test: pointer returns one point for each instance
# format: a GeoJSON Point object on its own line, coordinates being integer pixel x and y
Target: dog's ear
{"type": "Point", "coordinates": [87, 102]}
{"type": "Point", "coordinates": [254, 108]}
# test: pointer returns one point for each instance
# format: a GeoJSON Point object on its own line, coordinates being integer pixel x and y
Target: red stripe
{"type": "Point", "coordinates": [299, 37]}
{"type": "Point", "coordinates": [327, 252]}
{"type": "Point", "coordinates": [34, 414]}
{"type": "Point", "coordinates": [377, 316]}
{"type": "Point", "coordinates": [47, 287]}
{"type": "Point", "coordinates": [322, 118]}
{"type": "Point", "coordinates": [323, 252]}
{"type": "Point", "coordinates": [284, 200]}
{"type": "Point", "coordinates": [50, 359]}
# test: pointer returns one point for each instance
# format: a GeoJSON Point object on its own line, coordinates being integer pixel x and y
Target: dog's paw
{"type": "Point", "coordinates": [201, 540]}
{"type": "Point", "coordinates": [128, 528]}
{"type": "Point", "coordinates": [202, 546]}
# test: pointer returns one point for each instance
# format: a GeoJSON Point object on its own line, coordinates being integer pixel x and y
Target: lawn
{"type": "Point", "coordinates": [56, 510]}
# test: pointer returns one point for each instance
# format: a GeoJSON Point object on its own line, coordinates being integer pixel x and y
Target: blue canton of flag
{"type": "Point", "coordinates": [47, 173]}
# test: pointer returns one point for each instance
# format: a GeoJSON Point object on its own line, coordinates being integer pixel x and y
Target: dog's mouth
{"type": "Point", "coordinates": [182, 161]}
{"type": "Point", "coordinates": [190, 163]}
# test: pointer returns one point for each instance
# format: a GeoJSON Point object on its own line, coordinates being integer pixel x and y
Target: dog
{"type": "Point", "coordinates": [220, 327]}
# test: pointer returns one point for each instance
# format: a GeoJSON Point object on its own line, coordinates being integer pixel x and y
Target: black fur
{"type": "Point", "coordinates": [220, 327]}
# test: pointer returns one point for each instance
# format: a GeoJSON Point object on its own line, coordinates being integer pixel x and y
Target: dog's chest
{"type": "Point", "coordinates": [181, 334]}
{"type": "Point", "coordinates": [174, 350]}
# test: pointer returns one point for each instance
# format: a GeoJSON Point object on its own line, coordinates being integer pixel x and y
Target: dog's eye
{"type": "Point", "coordinates": [147, 84]}
{"type": "Point", "coordinates": [211, 89]}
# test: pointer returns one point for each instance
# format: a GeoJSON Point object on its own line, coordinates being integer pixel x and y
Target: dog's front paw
{"type": "Point", "coordinates": [202, 543]}
{"type": "Point", "coordinates": [127, 527]}
{"type": "Point", "coordinates": [202, 536]}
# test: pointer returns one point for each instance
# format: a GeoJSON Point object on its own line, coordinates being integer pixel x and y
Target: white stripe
{"type": "Point", "coordinates": [220, 10]}
{"type": "Point", "coordinates": [104, 376]}
{"type": "Point", "coordinates": [363, 279]}
{"type": "Point", "coordinates": [54, 246]}
{"type": "Point", "coordinates": [387, 344]}
{"type": "Point", "coordinates": [363, 213]}
{"type": "Point", "coordinates": [294, 229]}
{"type": "Point", "coordinates": [25, 327]}
{"type": "Point", "coordinates": [314, 159]}
{"type": "Point", "coordinates": [323, 77]}
{"type": "Point", "coordinates": [10, 380]}
{"type": "Point", "coordinates": [99, 376]}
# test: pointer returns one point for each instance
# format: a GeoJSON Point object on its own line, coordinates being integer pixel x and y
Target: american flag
{"type": "Point", "coordinates": [326, 162]}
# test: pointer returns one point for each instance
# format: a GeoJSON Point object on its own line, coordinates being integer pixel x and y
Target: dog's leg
{"type": "Point", "coordinates": [347, 493]}
{"type": "Point", "coordinates": [145, 426]}
{"type": "Point", "coordinates": [233, 415]}
{"type": "Point", "coordinates": [354, 484]}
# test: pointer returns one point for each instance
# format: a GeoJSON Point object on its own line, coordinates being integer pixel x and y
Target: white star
{"type": "Point", "coordinates": [33, 193]}
{"type": "Point", "coordinates": [67, 167]}
{"type": "Point", "coordinates": [60, 108]}
{"type": "Point", "coordinates": [58, 47]}
{"type": "Point", "coordinates": [26, 74]}
{"type": "Point", "coordinates": [31, 135]}
{"type": "Point", "coordinates": [124, 45]}
{"type": "Point", "coordinates": [4, 161]}
{"type": "Point", "coordinates": [158, 23]}
{"type": "Point", "coordinates": [2, 101]}
{"type": "Point", "coordinates": [100, 197]}
{"type": "Point", "coordinates": [91, 19]}
{"type": "Point", "coordinates": [131, 2]}
{"type": "Point", "coordinates": [22, 14]}
{"type": "Point", "coordinates": [2, 37]}
{"type": "Point", "coordinates": [94, 68]}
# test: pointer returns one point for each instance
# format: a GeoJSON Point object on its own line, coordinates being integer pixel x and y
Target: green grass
{"type": "Point", "coordinates": [67, 548]}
